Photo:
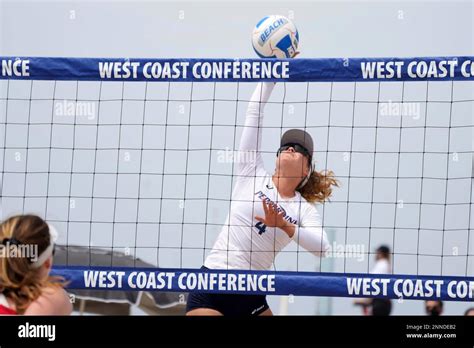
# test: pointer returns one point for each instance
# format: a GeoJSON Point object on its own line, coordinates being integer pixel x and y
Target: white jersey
{"type": "Point", "coordinates": [244, 242]}
{"type": "Point", "coordinates": [382, 266]}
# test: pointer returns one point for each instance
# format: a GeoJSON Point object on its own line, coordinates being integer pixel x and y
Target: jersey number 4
{"type": "Point", "coordinates": [261, 227]}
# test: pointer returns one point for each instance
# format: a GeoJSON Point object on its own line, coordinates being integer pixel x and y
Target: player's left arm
{"type": "Point", "coordinates": [310, 234]}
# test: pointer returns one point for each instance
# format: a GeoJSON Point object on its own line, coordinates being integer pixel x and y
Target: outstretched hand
{"type": "Point", "coordinates": [275, 218]}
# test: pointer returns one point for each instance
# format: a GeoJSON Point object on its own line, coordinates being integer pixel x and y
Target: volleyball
{"type": "Point", "coordinates": [275, 37]}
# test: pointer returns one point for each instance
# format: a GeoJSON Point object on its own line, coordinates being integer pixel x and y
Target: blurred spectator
{"type": "Point", "coordinates": [469, 312]}
{"type": "Point", "coordinates": [378, 306]}
{"type": "Point", "coordinates": [434, 308]}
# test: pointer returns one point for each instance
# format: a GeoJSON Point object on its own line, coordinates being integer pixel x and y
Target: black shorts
{"type": "Point", "coordinates": [381, 307]}
{"type": "Point", "coordinates": [228, 304]}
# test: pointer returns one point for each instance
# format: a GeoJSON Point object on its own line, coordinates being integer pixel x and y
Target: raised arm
{"type": "Point", "coordinates": [250, 158]}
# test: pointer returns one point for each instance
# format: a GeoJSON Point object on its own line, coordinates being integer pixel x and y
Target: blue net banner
{"type": "Point", "coordinates": [408, 287]}
{"type": "Point", "coordinates": [238, 70]}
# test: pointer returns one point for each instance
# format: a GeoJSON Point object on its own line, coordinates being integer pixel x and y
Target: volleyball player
{"type": "Point", "coordinates": [25, 284]}
{"type": "Point", "coordinates": [267, 211]}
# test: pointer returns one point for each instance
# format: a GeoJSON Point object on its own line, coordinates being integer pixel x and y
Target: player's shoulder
{"type": "Point", "coordinates": [53, 300]}
{"type": "Point", "coordinates": [308, 207]}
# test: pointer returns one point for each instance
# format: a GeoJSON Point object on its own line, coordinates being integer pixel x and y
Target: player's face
{"type": "Point", "coordinates": [292, 159]}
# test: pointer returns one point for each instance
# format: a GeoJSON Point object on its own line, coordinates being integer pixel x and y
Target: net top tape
{"type": "Point", "coordinates": [414, 287]}
{"type": "Point", "coordinates": [238, 70]}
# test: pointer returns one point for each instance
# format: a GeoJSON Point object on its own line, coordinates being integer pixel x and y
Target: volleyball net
{"type": "Point", "coordinates": [137, 157]}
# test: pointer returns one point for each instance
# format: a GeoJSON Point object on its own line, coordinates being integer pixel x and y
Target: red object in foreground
{"type": "Point", "coordinates": [6, 311]}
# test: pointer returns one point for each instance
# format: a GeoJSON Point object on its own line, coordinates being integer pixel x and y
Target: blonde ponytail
{"type": "Point", "coordinates": [319, 186]}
